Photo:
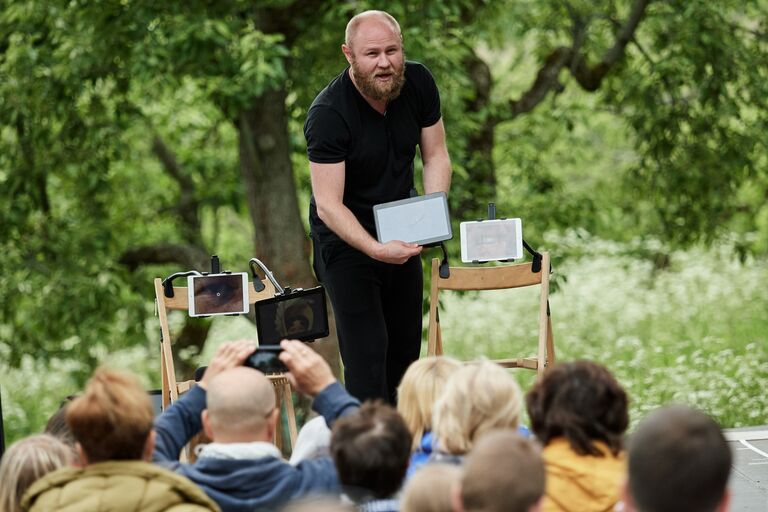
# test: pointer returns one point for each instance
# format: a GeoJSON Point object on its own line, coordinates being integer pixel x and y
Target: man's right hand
{"type": "Point", "coordinates": [395, 252]}
{"type": "Point", "coordinates": [228, 355]}
{"type": "Point", "coordinates": [308, 372]}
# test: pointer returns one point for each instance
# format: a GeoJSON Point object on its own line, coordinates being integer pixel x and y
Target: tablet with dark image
{"type": "Point", "coordinates": [299, 315]}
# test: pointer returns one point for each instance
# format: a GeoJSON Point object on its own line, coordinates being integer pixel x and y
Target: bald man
{"type": "Point", "coordinates": [362, 131]}
{"type": "Point", "coordinates": [242, 469]}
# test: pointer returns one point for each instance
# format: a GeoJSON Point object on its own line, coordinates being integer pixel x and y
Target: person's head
{"type": "Point", "coordinates": [112, 419]}
{"type": "Point", "coordinates": [373, 46]}
{"type": "Point", "coordinates": [582, 402]}
{"type": "Point", "coordinates": [370, 449]}
{"type": "Point", "coordinates": [478, 398]}
{"type": "Point", "coordinates": [678, 460]}
{"type": "Point", "coordinates": [240, 407]}
{"type": "Point", "coordinates": [318, 504]}
{"type": "Point", "coordinates": [504, 472]}
{"type": "Point", "coordinates": [429, 489]}
{"type": "Point", "coordinates": [27, 460]}
{"type": "Point", "coordinates": [58, 428]}
{"type": "Point", "coordinates": [422, 384]}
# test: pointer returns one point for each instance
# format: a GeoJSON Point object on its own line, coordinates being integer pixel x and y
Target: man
{"type": "Point", "coordinates": [371, 449]}
{"type": "Point", "coordinates": [242, 469]}
{"type": "Point", "coordinates": [362, 131]}
{"type": "Point", "coordinates": [111, 423]}
{"type": "Point", "coordinates": [678, 460]}
{"type": "Point", "coordinates": [504, 472]}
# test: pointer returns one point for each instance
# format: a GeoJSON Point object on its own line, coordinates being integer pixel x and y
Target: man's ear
{"type": "Point", "coordinates": [149, 446]}
{"type": "Point", "coordinates": [456, 503]}
{"type": "Point", "coordinates": [272, 424]}
{"type": "Point", "coordinates": [81, 456]}
{"type": "Point", "coordinates": [725, 503]}
{"type": "Point", "coordinates": [626, 497]}
{"type": "Point", "coordinates": [206, 419]}
{"type": "Point", "coordinates": [347, 52]}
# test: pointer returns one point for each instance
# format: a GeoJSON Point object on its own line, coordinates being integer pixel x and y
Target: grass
{"type": "Point", "coordinates": [695, 332]}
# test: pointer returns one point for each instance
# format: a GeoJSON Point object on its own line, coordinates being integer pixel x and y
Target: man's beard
{"type": "Point", "coordinates": [380, 91]}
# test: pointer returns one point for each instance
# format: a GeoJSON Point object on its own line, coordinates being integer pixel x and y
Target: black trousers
{"type": "Point", "coordinates": [378, 316]}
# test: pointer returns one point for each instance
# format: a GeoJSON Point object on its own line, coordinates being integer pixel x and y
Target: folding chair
{"type": "Point", "coordinates": [497, 278]}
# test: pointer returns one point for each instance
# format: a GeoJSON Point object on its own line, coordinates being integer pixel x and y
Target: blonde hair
{"type": "Point", "coordinates": [354, 23]}
{"type": "Point", "coordinates": [421, 386]}
{"type": "Point", "coordinates": [478, 398]}
{"type": "Point", "coordinates": [112, 418]}
{"type": "Point", "coordinates": [429, 490]}
{"type": "Point", "coordinates": [25, 462]}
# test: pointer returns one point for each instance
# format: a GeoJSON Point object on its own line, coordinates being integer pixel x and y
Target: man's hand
{"type": "Point", "coordinates": [229, 355]}
{"type": "Point", "coordinates": [395, 251]}
{"type": "Point", "coordinates": [308, 372]}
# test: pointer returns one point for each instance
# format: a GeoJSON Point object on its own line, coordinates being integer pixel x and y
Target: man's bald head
{"type": "Point", "coordinates": [239, 403]}
{"type": "Point", "coordinates": [369, 16]}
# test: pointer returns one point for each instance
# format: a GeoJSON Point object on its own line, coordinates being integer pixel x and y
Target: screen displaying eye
{"type": "Point", "coordinates": [219, 294]}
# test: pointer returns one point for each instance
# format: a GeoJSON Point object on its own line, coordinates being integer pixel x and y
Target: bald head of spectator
{"type": "Point", "coordinates": [241, 407]}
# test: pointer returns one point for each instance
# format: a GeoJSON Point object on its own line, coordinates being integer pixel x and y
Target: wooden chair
{"type": "Point", "coordinates": [497, 278]}
{"type": "Point", "coordinates": [171, 388]}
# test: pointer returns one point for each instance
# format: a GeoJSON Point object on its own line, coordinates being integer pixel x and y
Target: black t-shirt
{"type": "Point", "coordinates": [377, 149]}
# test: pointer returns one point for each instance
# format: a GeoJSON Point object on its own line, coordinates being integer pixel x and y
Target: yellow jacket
{"type": "Point", "coordinates": [116, 486]}
{"type": "Point", "coordinates": [582, 483]}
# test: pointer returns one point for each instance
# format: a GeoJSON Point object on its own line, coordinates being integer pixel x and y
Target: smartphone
{"type": "Point", "coordinates": [299, 315]}
{"type": "Point", "coordinates": [218, 294]}
{"type": "Point", "coordinates": [266, 360]}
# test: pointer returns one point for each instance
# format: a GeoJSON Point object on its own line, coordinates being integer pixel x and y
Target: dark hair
{"type": "Point", "coordinates": [371, 449]}
{"type": "Point", "coordinates": [503, 472]}
{"type": "Point", "coordinates": [678, 460]}
{"type": "Point", "coordinates": [582, 402]}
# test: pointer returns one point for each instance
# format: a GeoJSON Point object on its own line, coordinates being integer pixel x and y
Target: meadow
{"type": "Point", "coordinates": [694, 331]}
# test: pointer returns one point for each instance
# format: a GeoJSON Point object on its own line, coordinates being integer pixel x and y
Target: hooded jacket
{"type": "Point", "coordinates": [582, 483]}
{"type": "Point", "coordinates": [116, 486]}
{"type": "Point", "coordinates": [260, 482]}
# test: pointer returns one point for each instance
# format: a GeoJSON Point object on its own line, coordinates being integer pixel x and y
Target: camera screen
{"type": "Point", "coordinates": [218, 294]}
{"type": "Point", "coordinates": [266, 360]}
{"type": "Point", "coordinates": [301, 315]}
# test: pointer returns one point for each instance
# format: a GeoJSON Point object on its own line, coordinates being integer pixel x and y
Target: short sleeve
{"type": "Point", "coordinates": [429, 97]}
{"type": "Point", "coordinates": [327, 135]}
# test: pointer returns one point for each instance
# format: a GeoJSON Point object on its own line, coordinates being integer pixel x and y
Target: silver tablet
{"type": "Point", "coordinates": [491, 240]}
{"type": "Point", "coordinates": [218, 294]}
{"type": "Point", "coordinates": [422, 219]}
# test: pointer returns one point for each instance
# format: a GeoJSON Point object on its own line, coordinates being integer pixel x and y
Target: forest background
{"type": "Point", "coordinates": [137, 138]}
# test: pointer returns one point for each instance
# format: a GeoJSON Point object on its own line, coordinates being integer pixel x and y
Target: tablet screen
{"type": "Point", "coordinates": [422, 219]}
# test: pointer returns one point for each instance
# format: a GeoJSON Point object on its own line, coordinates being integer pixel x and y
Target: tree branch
{"type": "Point", "coordinates": [589, 78]}
{"type": "Point", "coordinates": [188, 256]}
{"type": "Point", "coordinates": [188, 205]}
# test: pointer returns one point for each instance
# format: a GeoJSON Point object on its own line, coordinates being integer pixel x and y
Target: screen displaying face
{"type": "Point", "coordinates": [300, 315]}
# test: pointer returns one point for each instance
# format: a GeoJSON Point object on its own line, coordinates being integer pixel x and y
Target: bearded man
{"type": "Point", "coordinates": [362, 131]}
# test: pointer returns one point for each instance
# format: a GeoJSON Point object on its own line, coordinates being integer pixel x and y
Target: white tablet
{"type": "Point", "coordinates": [491, 240]}
{"type": "Point", "coordinates": [218, 294]}
{"type": "Point", "coordinates": [422, 219]}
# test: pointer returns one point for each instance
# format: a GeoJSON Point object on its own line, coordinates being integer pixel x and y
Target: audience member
{"type": "Point", "coordinates": [504, 472]}
{"type": "Point", "coordinates": [235, 405]}
{"type": "Point", "coordinates": [370, 449]}
{"type": "Point", "coordinates": [112, 425]}
{"type": "Point", "coordinates": [429, 490]}
{"type": "Point", "coordinates": [26, 461]}
{"type": "Point", "coordinates": [58, 428]}
{"type": "Point", "coordinates": [478, 398]}
{"type": "Point", "coordinates": [318, 504]}
{"type": "Point", "coordinates": [579, 413]}
{"type": "Point", "coordinates": [678, 460]}
{"type": "Point", "coordinates": [421, 386]}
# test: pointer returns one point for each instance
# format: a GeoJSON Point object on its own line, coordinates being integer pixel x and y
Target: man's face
{"type": "Point", "coordinates": [376, 57]}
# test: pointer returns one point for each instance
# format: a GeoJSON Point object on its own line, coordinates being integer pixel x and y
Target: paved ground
{"type": "Point", "coordinates": [749, 480]}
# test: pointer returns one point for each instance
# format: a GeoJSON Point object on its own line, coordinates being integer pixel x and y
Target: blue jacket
{"type": "Point", "coordinates": [257, 484]}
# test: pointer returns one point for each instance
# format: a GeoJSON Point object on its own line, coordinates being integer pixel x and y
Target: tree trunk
{"type": "Point", "coordinates": [279, 238]}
